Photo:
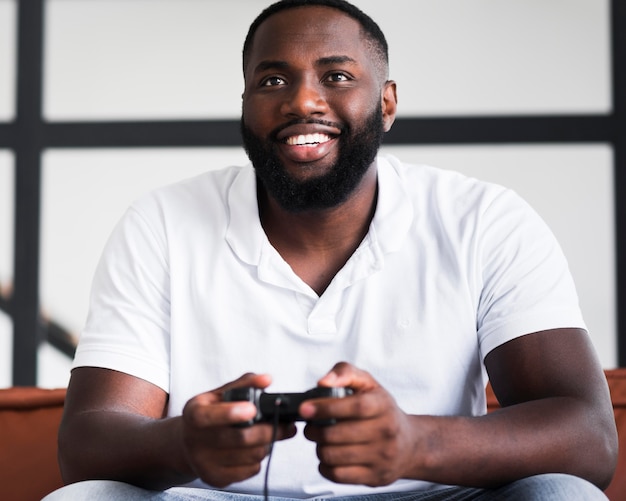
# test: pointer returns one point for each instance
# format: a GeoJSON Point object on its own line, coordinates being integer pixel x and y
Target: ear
{"type": "Point", "coordinates": [389, 104]}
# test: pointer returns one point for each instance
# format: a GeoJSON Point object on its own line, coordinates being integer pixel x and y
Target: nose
{"type": "Point", "coordinates": [306, 99]}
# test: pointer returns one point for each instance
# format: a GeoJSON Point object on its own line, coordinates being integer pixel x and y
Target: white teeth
{"type": "Point", "coordinates": [310, 139]}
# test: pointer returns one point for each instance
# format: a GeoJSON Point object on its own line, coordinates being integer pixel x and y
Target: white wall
{"type": "Point", "coordinates": [8, 9]}
{"type": "Point", "coordinates": [172, 58]}
{"type": "Point", "coordinates": [167, 59]}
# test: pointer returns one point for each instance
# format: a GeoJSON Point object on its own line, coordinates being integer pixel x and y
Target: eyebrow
{"type": "Point", "coordinates": [325, 61]}
{"type": "Point", "coordinates": [269, 65]}
{"type": "Point", "coordinates": [322, 61]}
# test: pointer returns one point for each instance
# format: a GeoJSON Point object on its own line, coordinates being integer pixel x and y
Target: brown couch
{"type": "Point", "coordinates": [29, 418]}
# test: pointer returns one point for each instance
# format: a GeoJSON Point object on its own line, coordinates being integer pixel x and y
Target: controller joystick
{"type": "Point", "coordinates": [285, 404]}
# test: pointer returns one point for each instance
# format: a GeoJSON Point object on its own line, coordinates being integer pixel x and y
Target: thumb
{"type": "Point", "coordinates": [347, 375]}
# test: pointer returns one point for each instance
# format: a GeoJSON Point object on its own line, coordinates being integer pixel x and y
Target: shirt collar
{"type": "Point", "coordinates": [389, 227]}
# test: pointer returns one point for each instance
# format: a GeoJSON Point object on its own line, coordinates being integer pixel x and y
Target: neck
{"type": "Point", "coordinates": [318, 243]}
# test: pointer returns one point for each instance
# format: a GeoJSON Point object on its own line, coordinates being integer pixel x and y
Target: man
{"type": "Point", "coordinates": [328, 266]}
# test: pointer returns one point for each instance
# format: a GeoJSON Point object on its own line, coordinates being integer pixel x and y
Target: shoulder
{"type": "Point", "coordinates": [209, 187]}
{"type": "Point", "coordinates": [181, 209]}
{"type": "Point", "coordinates": [423, 179]}
{"type": "Point", "coordinates": [201, 198]}
{"type": "Point", "coordinates": [443, 193]}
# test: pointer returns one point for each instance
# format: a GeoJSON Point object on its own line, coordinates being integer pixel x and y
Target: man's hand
{"type": "Point", "coordinates": [217, 450]}
{"type": "Point", "coordinates": [369, 443]}
{"type": "Point", "coordinates": [115, 427]}
{"type": "Point", "coordinates": [555, 415]}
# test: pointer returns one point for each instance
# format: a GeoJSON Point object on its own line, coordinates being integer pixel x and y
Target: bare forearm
{"type": "Point", "coordinates": [120, 446]}
{"type": "Point", "coordinates": [113, 428]}
{"type": "Point", "coordinates": [548, 435]}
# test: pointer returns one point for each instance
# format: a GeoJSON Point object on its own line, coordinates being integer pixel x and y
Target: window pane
{"type": "Point", "coordinates": [571, 187]}
{"type": "Point", "coordinates": [6, 216]}
{"type": "Point", "coordinates": [6, 351]}
{"type": "Point", "coordinates": [7, 59]}
{"type": "Point", "coordinates": [85, 193]}
{"type": "Point", "coordinates": [144, 58]}
{"type": "Point", "coordinates": [6, 264]}
{"type": "Point", "coordinates": [493, 57]}
{"type": "Point", "coordinates": [53, 367]}
{"type": "Point", "coordinates": [181, 58]}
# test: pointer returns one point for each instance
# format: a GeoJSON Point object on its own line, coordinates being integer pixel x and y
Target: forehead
{"type": "Point", "coordinates": [311, 31]}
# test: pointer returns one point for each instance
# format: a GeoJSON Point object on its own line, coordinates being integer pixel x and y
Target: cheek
{"type": "Point", "coordinates": [356, 108]}
{"type": "Point", "coordinates": [256, 115]}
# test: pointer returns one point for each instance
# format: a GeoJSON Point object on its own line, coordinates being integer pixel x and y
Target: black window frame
{"type": "Point", "coordinates": [28, 135]}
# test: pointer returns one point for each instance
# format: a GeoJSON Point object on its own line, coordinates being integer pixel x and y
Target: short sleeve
{"type": "Point", "coordinates": [526, 282]}
{"type": "Point", "coordinates": [127, 328]}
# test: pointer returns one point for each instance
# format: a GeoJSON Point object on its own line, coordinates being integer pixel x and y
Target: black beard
{"type": "Point", "coordinates": [357, 151]}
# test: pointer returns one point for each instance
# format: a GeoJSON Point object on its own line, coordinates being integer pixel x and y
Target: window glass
{"type": "Point", "coordinates": [571, 187]}
{"type": "Point", "coordinates": [144, 58]}
{"type": "Point", "coordinates": [182, 58]}
{"type": "Point", "coordinates": [6, 351]}
{"type": "Point", "coordinates": [53, 367]}
{"type": "Point", "coordinates": [6, 216]}
{"type": "Point", "coordinates": [468, 57]}
{"type": "Point", "coordinates": [85, 193]}
{"type": "Point", "coordinates": [6, 264]}
{"type": "Point", "coordinates": [7, 59]}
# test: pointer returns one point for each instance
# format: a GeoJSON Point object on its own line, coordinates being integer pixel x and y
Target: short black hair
{"type": "Point", "coordinates": [371, 31]}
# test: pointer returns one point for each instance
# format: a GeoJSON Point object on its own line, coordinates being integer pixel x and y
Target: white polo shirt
{"type": "Point", "coordinates": [190, 294]}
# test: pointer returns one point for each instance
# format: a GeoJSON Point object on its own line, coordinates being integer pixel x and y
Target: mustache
{"type": "Point", "coordinates": [307, 121]}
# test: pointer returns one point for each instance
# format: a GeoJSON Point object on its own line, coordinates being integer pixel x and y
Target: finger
{"type": "Point", "coordinates": [347, 375]}
{"type": "Point", "coordinates": [236, 453]}
{"type": "Point", "coordinates": [259, 434]}
{"type": "Point", "coordinates": [379, 455]}
{"type": "Point", "coordinates": [247, 380]}
{"type": "Point", "coordinates": [343, 432]}
{"type": "Point", "coordinates": [221, 476]}
{"type": "Point", "coordinates": [357, 474]}
{"type": "Point", "coordinates": [203, 412]}
{"type": "Point", "coordinates": [234, 437]}
{"type": "Point", "coordinates": [366, 405]}
{"type": "Point", "coordinates": [229, 456]}
{"type": "Point", "coordinates": [286, 431]}
{"type": "Point", "coordinates": [237, 437]}
{"type": "Point", "coordinates": [347, 455]}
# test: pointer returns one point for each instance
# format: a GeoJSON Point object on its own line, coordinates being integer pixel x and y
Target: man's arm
{"type": "Point", "coordinates": [114, 428]}
{"type": "Point", "coordinates": [553, 380]}
{"type": "Point", "coordinates": [556, 417]}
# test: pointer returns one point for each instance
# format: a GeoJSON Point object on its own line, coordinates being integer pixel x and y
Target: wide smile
{"type": "Point", "coordinates": [307, 139]}
{"type": "Point", "coordinates": [307, 143]}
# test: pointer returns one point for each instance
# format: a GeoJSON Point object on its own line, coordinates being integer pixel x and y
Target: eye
{"type": "Point", "coordinates": [272, 81]}
{"type": "Point", "coordinates": [338, 77]}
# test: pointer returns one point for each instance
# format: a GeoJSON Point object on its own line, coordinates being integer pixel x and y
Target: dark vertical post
{"type": "Point", "coordinates": [25, 300]}
{"type": "Point", "coordinates": [618, 38]}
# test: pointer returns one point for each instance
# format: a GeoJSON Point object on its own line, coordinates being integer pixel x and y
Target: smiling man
{"type": "Point", "coordinates": [326, 265]}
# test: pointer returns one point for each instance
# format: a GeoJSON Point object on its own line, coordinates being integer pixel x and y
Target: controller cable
{"type": "Point", "coordinates": [276, 421]}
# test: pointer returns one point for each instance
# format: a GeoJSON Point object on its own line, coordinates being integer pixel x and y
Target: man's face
{"type": "Point", "coordinates": [314, 107]}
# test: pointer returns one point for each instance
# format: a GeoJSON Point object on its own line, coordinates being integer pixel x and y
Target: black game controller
{"type": "Point", "coordinates": [285, 404]}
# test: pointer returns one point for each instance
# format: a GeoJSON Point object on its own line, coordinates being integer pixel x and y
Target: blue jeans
{"type": "Point", "coordinates": [549, 487]}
